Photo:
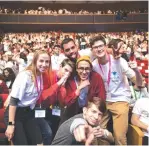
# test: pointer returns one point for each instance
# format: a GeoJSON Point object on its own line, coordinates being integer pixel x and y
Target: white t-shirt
{"type": "Point", "coordinates": [141, 108]}
{"type": "Point", "coordinates": [56, 61]}
{"type": "Point", "coordinates": [25, 90]}
{"type": "Point", "coordinates": [22, 64]}
{"type": "Point", "coordinates": [118, 88]}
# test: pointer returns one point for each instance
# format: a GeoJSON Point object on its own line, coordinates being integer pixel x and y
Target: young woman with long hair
{"type": "Point", "coordinates": [22, 128]}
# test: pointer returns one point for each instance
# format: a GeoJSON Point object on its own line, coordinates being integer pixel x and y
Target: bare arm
{"type": "Point", "coordinates": [137, 79]}
{"type": "Point", "coordinates": [10, 128]}
{"type": "Point", "coordinates": [6, 103]}
{"type": "Point", "coordinates": [16, 58]}
{"type": "Point", "coordinates": [12, 113]}
{"type": "Point", "coordinates": [136, 121]}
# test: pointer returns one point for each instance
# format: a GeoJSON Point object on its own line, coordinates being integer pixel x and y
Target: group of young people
{"type": "Point", "coordinates": [88, 87]}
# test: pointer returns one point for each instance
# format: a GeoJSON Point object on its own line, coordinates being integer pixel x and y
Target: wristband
{"type": "Point", "coordinates": [11, 123]}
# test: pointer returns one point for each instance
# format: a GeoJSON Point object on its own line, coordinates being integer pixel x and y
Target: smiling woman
{"type": "Point", "coordinates": [26, 90]}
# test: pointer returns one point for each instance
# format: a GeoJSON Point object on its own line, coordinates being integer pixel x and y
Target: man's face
{"type": "Point", "coordinates": [65, 70]}
{"type": "Point", "coordinates": [99, 49]}
{"type": "Point", "coordinates": [92, 115]}
{"type": "Point", "coordinates": [56, 50]}
{"type": "Point", "coordinates": [83, 69]}
{"type": "Point", "coordinates": [70, 50]}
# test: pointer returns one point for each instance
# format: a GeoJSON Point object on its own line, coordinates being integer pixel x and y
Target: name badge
{"type": "Point", "coordinates": [56, 111]}
{"type": "Point", "coordinates": [40, 113]}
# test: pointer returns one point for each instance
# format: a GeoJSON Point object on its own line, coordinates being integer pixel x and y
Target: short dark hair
{"type": "Point", "coordinates": [68, 62]}
{"type": "Point", "coordinates": [65, 41]}
{"type": "Point", "coordinates": [100, 103]}
{"type": "Point", "coordinates": [115, 42]}
{"type": "Point", "coordinates": [58, 46]}
{"type": "Point", "coordinates": [97, 38]}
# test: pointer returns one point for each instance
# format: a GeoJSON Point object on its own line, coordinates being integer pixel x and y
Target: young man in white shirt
{"type": "Point", "coordinates": [56, 57]}
{"type": "Point", "coordinates": [115, 73]}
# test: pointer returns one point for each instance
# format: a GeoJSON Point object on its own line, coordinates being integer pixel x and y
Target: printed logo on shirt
{"type": "Point", "coordinates": [115, 77]}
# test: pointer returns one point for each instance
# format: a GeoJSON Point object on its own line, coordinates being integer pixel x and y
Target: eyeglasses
{"type": "Point", "coordinates": [99, 46]}
{"type": "Point", "coordinates": [68, 49]}
{"type": "Point", "coordinates": [87, 69]}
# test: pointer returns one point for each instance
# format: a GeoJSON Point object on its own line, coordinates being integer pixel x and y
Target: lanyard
{"type": "Point", "coordinates": [56, 79]}
{"type": "Point", "coordinates": [109, 72]}
{"type": "Point", "coordinates": [75, 79]}
{"type": "Point", "coordinates": [39, 88]}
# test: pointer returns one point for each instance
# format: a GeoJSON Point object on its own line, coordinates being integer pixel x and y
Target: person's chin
{"type": "Point", "coordinates": [74, 56]}
{"type": "Point", "coordinates": [100, 55]}
{"type": "Point", "coordinates": [92, 123]}
{"type": "Point", "coordinates": [84, 78]}
{"type": "Point", "coordinates": [42, 70]}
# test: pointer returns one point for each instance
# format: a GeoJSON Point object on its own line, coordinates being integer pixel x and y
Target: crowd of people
{"type": "Point", "coordinates": [50, 11]}
{"type": "Point", "coordinates": [64, 87]}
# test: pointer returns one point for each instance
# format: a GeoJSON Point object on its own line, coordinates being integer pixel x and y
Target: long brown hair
{"type": "Point", "coordinates": [33, 67]}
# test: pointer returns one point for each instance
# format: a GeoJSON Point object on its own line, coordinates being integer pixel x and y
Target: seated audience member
{"type": "Point", "coordinates": [83, 128]}
{"type": "Point", "coordinates": [140, 117]}
{"type": "Point", "coordinates": [3, 87]}
{"type": "Point", "coordinates": [139, 92]}
{"type": "Point", "coordinates": [9, 77]}
{"type": "Point", "coordinates": [81, 88]}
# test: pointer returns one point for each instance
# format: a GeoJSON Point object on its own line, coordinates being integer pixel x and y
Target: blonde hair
{"type": "Point", "coordinates": [33, 67]}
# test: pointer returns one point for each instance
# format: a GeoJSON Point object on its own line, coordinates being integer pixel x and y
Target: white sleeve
{"type": "Point", "coordinates": [76, 123]}
{"type": "Point", "coordinates": [126, 69]}
{"type": "Point", "coordinates": [19, 85]}
{"type": "Point", "coordinates": [137, 107]}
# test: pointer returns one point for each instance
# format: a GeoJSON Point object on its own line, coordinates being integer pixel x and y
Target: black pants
{"type": "Point", "coordinates": [27, 131]}
{"type": "Point", "coordinates": [145, 140]}
{"type": "Point", "coordinates": [70, 111]}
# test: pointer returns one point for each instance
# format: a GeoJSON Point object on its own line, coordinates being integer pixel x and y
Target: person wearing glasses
{"type": "Point", "coordinates": [81, 88]}
{"type": "Point", "coordinates": [115, 73]}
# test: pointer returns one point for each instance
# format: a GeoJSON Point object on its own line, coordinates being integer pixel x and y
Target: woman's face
{"type": "Point", "coordinates": [83, 69]}
{"type": "Point", "coordinates": [6, 73]}
{"type": "Point", "coordinates": [43, 62]}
